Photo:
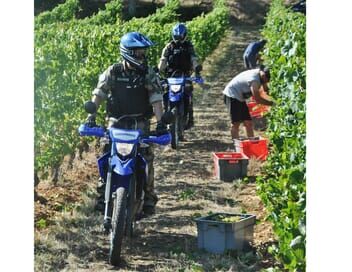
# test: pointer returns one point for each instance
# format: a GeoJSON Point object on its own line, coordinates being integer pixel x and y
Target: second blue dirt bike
{"type": "Point", "coordinates": [178, 102]}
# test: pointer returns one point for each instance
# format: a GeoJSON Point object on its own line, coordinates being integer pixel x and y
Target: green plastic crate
{"type": "Point", "coordinates": [217, 237]}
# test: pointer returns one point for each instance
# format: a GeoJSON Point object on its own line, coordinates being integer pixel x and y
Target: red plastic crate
{"type": "Point", "coordinates": [251, 105]}
{"type": "Point", "coordinates": [257, 110]}
{"type": "Point", "coordinates": [253, 147]}
{"type": "Point", "coordinates": [230, 165]}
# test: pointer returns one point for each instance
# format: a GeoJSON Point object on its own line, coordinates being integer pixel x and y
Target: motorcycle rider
{"type": "Point", "coordinates": [179, 55]}
{"type": "Point", "coordinates": [132, 87]}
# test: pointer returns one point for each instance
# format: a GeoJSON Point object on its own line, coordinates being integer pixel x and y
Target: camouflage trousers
{"type": "Point", "coordinates": [150, 198]}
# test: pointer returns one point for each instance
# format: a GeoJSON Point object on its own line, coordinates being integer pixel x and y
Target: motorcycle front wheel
{"type": "Point", "coordinates": [130, 213]}
{"type": "Point", "coordinates": [118, 223]}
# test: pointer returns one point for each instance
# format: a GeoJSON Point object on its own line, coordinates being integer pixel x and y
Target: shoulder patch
{"type": "Point", "coordinates": [102, 77]}
{"type": "Point", "coordinates": [117, 68]}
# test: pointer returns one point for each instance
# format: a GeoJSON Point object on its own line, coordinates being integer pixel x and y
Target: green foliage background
{"type": "Point", "coordinates": [283, 187]}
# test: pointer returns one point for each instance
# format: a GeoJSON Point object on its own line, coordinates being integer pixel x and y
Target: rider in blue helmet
{"type": "Point", "coordinates": [179, 33]}
{"type": "Point", "coordinates": [178, 57]}
{"type": "Point", "coordinates": [131, 87]}
{"type": "Point", "coordinates": [133, 47]}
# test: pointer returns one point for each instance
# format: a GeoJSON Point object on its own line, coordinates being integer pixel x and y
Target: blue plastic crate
{"type": "Point", "coordinates": [217, 237]}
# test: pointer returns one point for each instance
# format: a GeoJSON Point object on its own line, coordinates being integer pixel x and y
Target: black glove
{"type": "Point", "coordinates": [198, 69]}
{"type": "Point", "coordinates": [161, 128]}
{"type": "Point", "coordinates": [156, 69]}
{"type": "Point", "coordinates": [90, 122]}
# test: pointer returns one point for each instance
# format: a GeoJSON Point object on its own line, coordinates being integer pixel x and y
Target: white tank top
{"type": "Point", "coordinates": [239, 86]}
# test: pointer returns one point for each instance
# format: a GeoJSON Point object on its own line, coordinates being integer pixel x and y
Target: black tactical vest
{"type": "Point", "coordinates": [179, 57]}
{"type": "Point", "coordinates": [128, 95]}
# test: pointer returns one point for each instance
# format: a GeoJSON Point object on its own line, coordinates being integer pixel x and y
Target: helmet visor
{"type": "Point", "coordinates": [139, 52]}
{"type": "Point", "coordinates": [178, 37]}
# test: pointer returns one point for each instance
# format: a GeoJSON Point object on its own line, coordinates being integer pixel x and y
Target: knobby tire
{"type": "Point", "coordinates": [131, 207]}
{"type": "Point", "coordinates": [118, 223]}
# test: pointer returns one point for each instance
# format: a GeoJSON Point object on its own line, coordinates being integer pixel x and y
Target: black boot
{"type": "Point", "coordinates": [166, 102]}
{"type": "Point", "coordinates": [100, 200]}
{"type": "Point", "coordinates": [190, 122]}
{"type": "Point", "coordinates": [148, 210]}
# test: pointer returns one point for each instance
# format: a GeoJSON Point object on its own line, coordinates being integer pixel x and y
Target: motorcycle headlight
{"type": "Point", "coordinates": [175, 88]}
{"type": "Point", "coordinates": [124, 149]}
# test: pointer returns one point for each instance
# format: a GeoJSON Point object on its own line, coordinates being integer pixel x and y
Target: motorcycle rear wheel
{"type": "Point", "coordinates": [118, 223]}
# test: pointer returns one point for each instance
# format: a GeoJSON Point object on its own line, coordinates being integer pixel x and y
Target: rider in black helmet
{"type": "Point", "coordinates": [179, 56]}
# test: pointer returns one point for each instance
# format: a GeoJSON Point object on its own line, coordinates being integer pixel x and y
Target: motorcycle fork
{"type": "Point", "coordinates": [107, 213]}
{"type": "Point", "coordinates": [141, 179]}
{"type": "Point", "coordinates": [181, 112]}
{"type": "Point", "coordinates": [131, 201]}
{"type": "Point", "coordinates": [137, 189]}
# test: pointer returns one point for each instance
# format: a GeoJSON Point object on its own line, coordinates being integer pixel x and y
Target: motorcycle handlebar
{"type": "Point", "coordinates": [152, 137]}
{"type": "Point", "coordinates": [85, 130]}
{"type": "Point", "coordinates": [198, 80]}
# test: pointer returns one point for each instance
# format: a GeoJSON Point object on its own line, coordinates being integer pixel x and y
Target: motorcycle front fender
{"type": "Point", "coordinates": [175, 97]}
{"type": "Point", "coordinates": [178, 109]}
{"type": "Point", "coordinates": [123, 168]}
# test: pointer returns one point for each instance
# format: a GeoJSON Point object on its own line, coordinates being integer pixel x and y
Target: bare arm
{"type": "Point", "coordinates": [259, 96]}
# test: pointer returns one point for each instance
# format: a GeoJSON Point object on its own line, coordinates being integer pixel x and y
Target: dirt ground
{"type": "Point", "coordinates": [68, 234]}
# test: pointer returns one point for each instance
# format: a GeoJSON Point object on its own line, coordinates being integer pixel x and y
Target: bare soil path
{"type": "Point", "coordinates": [184, 182]}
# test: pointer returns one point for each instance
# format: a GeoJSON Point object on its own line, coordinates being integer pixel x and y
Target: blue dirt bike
{"type": "Point", "coordinates": [178, 102]}
{"type": "Point", "coordinates": [121, 169]}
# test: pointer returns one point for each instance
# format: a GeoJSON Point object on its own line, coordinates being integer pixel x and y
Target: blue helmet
{"type": "Point", "coordinates": [179, 32]}
{"type": "Point", "coordinates": [129, 44]}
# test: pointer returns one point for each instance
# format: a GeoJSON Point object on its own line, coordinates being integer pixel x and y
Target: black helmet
{"type": "Point", "coordinates": [129, 44]}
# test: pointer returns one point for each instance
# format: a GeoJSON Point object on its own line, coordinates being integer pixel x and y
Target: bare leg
{"type": "Point", "coordinates": [235, 130]}
{"type": "Point", "coordinates": [248, 124]}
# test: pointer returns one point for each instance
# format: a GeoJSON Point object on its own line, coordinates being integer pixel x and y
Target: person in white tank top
{"type": "Point", "coordinates": [240, 88]}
